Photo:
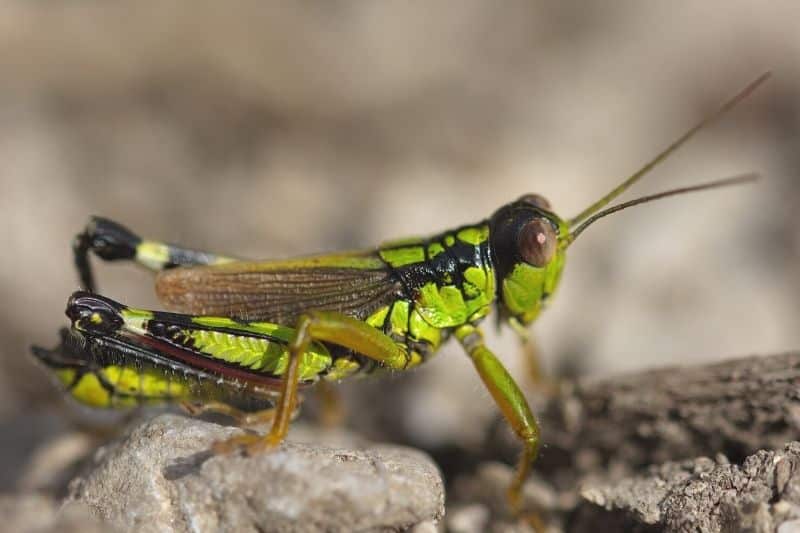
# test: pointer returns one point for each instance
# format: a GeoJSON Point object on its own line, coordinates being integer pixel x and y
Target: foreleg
{"type": "Point", "coordinates": [509, 399]}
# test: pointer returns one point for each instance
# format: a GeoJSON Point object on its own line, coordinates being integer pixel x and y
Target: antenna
{"type": "Point", "coordinates": [622, 187]}
{"type": "Point", "coordinates": [735, 180]}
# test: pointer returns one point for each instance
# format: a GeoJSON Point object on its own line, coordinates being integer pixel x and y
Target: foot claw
{"type": "Point", "coordinates": [192, 409]}
{"type": "Point", "coordinates": [249, 443]}
{"type": "Point", "coordinates": [514, 500]}
{"type": "Point", "coordinates": [263, 444]}
{"type": "Point", "coordinates": [532, 518]}
{"type": "Point", "coordinates": [234, 444]}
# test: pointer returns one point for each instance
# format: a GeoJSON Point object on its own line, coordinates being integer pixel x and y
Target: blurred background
{"type": "Point", "coordinates": [269, 130]}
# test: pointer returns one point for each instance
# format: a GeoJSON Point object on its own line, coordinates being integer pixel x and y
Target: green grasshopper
{"type": "Point", "coordinates": [256, 333]}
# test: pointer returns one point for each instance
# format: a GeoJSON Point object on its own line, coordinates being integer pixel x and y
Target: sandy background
{"type": "Point", "coordinates": [291, 128]}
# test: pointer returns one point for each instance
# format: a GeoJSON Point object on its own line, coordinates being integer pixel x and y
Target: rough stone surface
{"type": "Point", "coordinates": [605, 436]}
{"type": "Point", "coordinates": [618, 426]}
{"type": "Point", "coordinates": [162, 478]}
{"type": "Point", "coordinates": [761, 495]}
{"type": "Point", "coordinates": [37, 513]}
{"type": "Point", "coordinates": [53, 464]}
{"type": "Point", "coordinates": [595, 470]}
{"type": "Point", "coordinates": [481, 504]}
{"type": "Point", "coordinates": [736, 407]}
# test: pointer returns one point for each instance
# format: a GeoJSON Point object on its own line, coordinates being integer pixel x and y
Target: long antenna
{"type": "Point", "coordinates": [622, 187]}
{"type": "Point", "coordinates": [735, 180]}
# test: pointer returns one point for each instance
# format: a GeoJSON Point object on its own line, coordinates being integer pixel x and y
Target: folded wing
{"type": "Point", "coordinates": [278, 291]}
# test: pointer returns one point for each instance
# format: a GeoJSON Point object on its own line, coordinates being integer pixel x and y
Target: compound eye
{"type": "Point", "coordinates": [537, 242]}
{"type": "Point", "coordinates": [536, 200]}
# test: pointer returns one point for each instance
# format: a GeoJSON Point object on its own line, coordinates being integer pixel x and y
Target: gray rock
{"type": "Point", "coordinates": [53, 464]}
{"type": "Point", "coordinates": [428, 526]}
{"type": "Point", "coordinates": [480, 504]}
{"type": "Point", "coordinates": [28, 512]}
{"type": "Point", "coordinates": [472, 518]}
{"type": "Point", "coordinates": [20, 440]}
{"type": "Point", "coordinates": [32, 512]}
{"type": "Point", "coordinates": [162, 478]}
{"type": "Point", "coordinates": [762, 494]}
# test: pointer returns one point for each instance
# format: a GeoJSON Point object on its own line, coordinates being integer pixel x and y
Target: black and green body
{"type": "Point", "coordinates": [417, 292]}
{"type": "Point", "coordinates": [249, 334]}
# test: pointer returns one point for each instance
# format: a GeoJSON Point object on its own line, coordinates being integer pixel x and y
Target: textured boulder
{"type": "Point", "coordinates": [762, 494]}
{"type": "Point", "coordinates": [161, 477]}
{"type": "Point", "coordinates": [32, 512]}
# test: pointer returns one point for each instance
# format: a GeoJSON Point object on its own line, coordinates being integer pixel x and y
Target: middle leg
{"type": "Point", "coordinates": [325, 326]}
{"type": "Point", "coordinates": [537, 378]}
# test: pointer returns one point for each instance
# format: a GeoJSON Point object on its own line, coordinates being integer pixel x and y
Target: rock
{"type": "Point", "coordinates": [479, 503]}
{"type": "Point", "coordinates": [161, 477]}
{"type": "Point", "coordinates": [734, 407]}
{"type": "Point", "coordinates": [428, 526]}
{"type": "Point", "coordinates": [55, 462]}
{"type": "Point", "coordinates": [489, 484]}
{"type": "Point", "coordinates": [762, 494]}
{"type": "Point", "coordinates": [471, 518]}
{"type": "Point", "coordinates": [36, 513]}
{"type": "Point", "coordinates": [20, 439]}
{"type": "Point", "coordinates": [28, 512]}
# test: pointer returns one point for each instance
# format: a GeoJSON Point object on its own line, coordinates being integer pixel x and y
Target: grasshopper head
{"type": "Point", "coordinates": [528, 242]}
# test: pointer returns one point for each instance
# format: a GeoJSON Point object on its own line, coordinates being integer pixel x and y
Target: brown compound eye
{"type": "Point", "coordinates": [537, 242]}
{"type": "Point", "coordinates": [536, 200]}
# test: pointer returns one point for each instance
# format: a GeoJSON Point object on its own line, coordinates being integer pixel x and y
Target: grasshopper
{"type": "Point", "coordinates": [254, 334]}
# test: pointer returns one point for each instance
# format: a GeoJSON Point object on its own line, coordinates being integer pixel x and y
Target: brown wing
{"type": "Point", "coordinates": [279, 291]}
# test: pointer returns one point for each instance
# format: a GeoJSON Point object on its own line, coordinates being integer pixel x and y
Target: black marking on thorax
{"type": "Point", "coordinates": [447, 267]}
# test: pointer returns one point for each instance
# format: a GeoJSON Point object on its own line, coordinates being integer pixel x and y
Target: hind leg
{"type": "Point", "coordinates": [111, 241]}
